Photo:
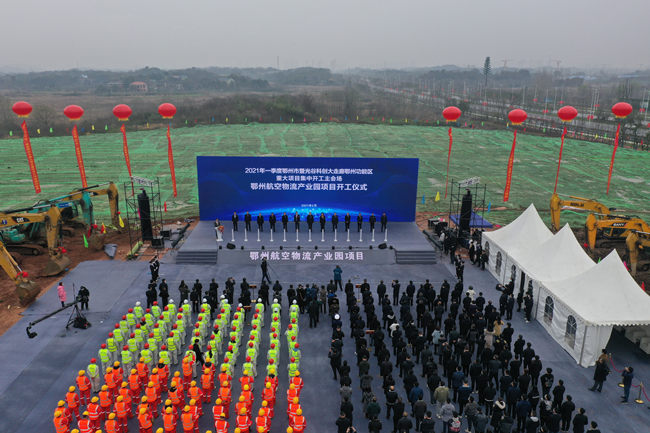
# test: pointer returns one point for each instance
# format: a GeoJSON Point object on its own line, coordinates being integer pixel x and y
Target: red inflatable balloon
{"type": "Point", "coordinates": [451, 114]}
{"type": "Point", "coordinates": [73, 112]}
{"type": "Point", "coordinates": [567, 114]}
{"type": "Point", "coordinates": [167, 110]}
{"type": "Point", "coordinates": [517, 116]}
{"type": "Point", "coordinates": [22, 109]}
{"type": "Point", "coordinates": [122, 112]}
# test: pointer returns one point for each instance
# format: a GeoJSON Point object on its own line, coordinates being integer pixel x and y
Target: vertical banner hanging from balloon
{"type": "Point", "coordinates": [170, 156]}
{"type": "Point", "coordinates": [167, 111]}
{"type": "Point", "coordinates": [125, 146]}
{"type": "Point", "coordinates": [566, 114]}
{"type": "Point", "coordinates": [451, 114]}
{"type": "Point", "coordinates": [30, 158]}
{"type": "Point", "coordinates": [620, 111]}
{"type": "Point", "coordinates": [80, 158]}
{"type": "Point", "coordinates": [511, 160]}
{"type": "Point", "coordinates": [517, 117]}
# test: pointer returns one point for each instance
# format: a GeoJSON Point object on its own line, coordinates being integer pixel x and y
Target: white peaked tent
{"type": "Point", "coordinates": [579, 312]}
{"type": "Point", "coordinates": [557, 259]}
{"type": "Point", "coordinates": [526, 232]}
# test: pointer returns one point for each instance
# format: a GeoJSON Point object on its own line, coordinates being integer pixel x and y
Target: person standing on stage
{"type": "Point", "coordinates": [296, 220]}
{"type": "Point", "coordinates": [310, 220]}
{"type": "Point", "coordinates": [322, 221]}
{"type": "Point", "coordinates": [272, 221]}
{"type": "Point", "coordinates": [260, 222]}
{"type": "Point", "coordinates": [372, 220]}
{"type": "Point", "coordinates": [285, 221]}
{"type": "Point", "coordinates": [383, 220]}
{"type": "Point", "coordinates": [348, 218]}
{"type": "Point", "coordinates": [359, 222]}
{"type": "Point", "coordinates": [247, 220]}
{"type": "Point", "coordinates": [335, 221]}
{"type": "Point", "coordinates": [265, 271]}
{"type": "Point", "coordinates": [235, 220]}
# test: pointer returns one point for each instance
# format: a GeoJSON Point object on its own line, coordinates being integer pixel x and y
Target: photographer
{"type": "Point", "coordinates": [83, 297]}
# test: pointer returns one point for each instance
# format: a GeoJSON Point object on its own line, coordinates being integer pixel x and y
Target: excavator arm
{"type": "Point", "coordinates": [113, 200]}
{"type": "Point", "coordinates": [615, 227]}
{"type": "Point", "coordinates": [632, 243]}
{"type": "Point", "coordinates": [577, 203]}
{"type": "Point", "coordinates": [26, 289]}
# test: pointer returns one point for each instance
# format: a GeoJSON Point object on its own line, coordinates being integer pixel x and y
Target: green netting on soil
{"type": "Point", "coordinates": [475, 153]}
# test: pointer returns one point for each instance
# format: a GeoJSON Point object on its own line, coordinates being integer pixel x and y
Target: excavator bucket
{"type": "Point", "coordinates": [97, 242]}
{"type": "Point", "coordinates": [27, 292]}
{"type": "Point", "coordinates": [56, 266]}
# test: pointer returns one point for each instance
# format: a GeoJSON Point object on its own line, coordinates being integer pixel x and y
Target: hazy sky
{"type": "Point", "coordinates": [121, 34]}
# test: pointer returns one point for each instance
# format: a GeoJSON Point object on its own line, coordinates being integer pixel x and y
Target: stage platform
{"type": "Point", "coordinates": [409, 245]}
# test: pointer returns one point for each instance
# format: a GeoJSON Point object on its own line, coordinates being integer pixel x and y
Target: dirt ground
{"type": "Point", "coordinates": [10, 309]}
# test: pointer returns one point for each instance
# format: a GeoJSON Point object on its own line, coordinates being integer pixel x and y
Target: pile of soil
{"type": "Point", "coordinates": [10, 309]}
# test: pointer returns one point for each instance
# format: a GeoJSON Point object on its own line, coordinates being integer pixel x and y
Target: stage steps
{"type": "Point", "coordinates": [196, 257]}
{"type": "Point", "coordinates": [415, 257]}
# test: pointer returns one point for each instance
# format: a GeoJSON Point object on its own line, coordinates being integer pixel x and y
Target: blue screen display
{"type": "Point", "coordinates": [230, 184]}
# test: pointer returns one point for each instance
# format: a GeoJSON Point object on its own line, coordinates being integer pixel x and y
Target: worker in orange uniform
{"type": "Point", "coordinates": [112, 425]}
{"type": "Point", "coordinates": [84, 424]}
{"type": "Point", "coordinates": [298, 422]}
{"type": "Point", "coordinates": [143, 370]}
{"type": "Point", "coordinates": [125, 393]}
{"type": "Point", "coordinates": [196, 394]}
{"type": "Point", "coordinates": [273, 379]}
{"type": "Point", "coordinates": [61, 422]}
{"type": "Point", "coordinates": [206, 385]}
{"type": "Point", "coordinates": [262, 422]}
{"type": "Point", "coordinates": [179, 381]}
{"type": "Point", "coordinates": [66, 412]}
{"type": "Point", "coordinates": [105, 401]}
{"type": "Point", "coordinates": [84, 387]}
{"type": "Point", "coordinates": [297, 382]}
{"type": "Point", "coordinates": [169, 421]}
{"type": "Point", "coordinates": [144, 404]}
{"type": "Point", "coordinates": [146, 421]}
{"type": "Point", "coordinates": [243, 421]}
{"type": "Point", "coordinates": [221, 425]}
{"type": "Point", "coordinates": [122, 414]}
{"type": "Point", "coordinates": [194, 410]}
{"type": "Point", "coordinates": [187, 371]}
{"type": "Point", "coordinates": [152, 398]}
{"type": "Point", "coordinates": [225, 395]}
{"type": "Point", "coordinates": [246, 380]}
{"type": "Point", "coordinates": [95, 413]}
{"type": "Point", "coordinates": [118, 372]}
{"type": "Point", "coordinates": [135, 384]}
{"type": "Point", "coordinates": [217, 410]}
{"type": "Point", "coordinates": [241, 404]}
{"type": "Point", "coordinates": [248, 397]}
{"type": "Point", "coordinates": [163, 375]}
{"type": "Point", "coordinates": [268, 396]}
{"type": "Point", "coordinates": [224, 376]}
{"type": "Point", "coordinates": [177, 396]}
{"type": "Point", "coordinates": [111, 383]}
{"type": "Point", "coordinates": [292, 393]}
{"type": "Point", "coordinates": [72, 399]}
{"type": "Point", "coordinates": [293, 407]}
{"type": "Point", "coordinates": [155, 378]}
{"type": "Point", "coordinates": [187, 420]}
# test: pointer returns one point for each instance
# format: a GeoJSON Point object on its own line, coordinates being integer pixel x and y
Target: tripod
{"type": "Point", "coordinates": [76, 317]}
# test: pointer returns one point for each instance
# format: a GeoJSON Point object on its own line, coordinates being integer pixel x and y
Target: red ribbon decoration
{"type": "Point", "coordinates": [448, 158]}
{"type": "Point", "coordinates": [506, 191]}
{"type": "Point", "coordinates": [126, 149]}
{"type": "Point", "coordinates": [170, 156]}
{"type": "Point", "coordinates": [559, 160]}
{"type": "Point", "coordinates": [80, 158]}
{"type": "Point", "coordinates": [611, 165]}
{"type": "Point", "coordinates": [30, 158]}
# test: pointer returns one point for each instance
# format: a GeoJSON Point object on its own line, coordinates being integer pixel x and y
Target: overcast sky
{"type": "Point", "coordinates": [127, 34]}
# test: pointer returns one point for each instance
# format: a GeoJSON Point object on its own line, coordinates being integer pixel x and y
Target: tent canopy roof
{"type": "Point", "coordinates": [604, 295]}
{"type": "Point", "coordinates": [557, 259]}
{"type": "Point", "coordinates": [524, 233]}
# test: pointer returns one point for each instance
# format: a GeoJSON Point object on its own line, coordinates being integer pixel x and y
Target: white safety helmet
{"type": "Point", "coordinates": [223, 297]}
{"type": "Point", "coordinates": [275, 301]}
{"type": "Point", "coordinates": [240, 305]}
{"type": "Point", "coordinates": [337, 317]}
{"type": "Point", "coordinates": [137, 304]}
{"type": "Point", "coordinates": [171, 301]}
{"type": "Point", "coordinates": [186, 302]}
{"type": "Point", "coordinates": [295, 302]}
{"type": "Point", "coordinates": [259, 300]}
{"type": "Point", "coordinates": [205, 300]}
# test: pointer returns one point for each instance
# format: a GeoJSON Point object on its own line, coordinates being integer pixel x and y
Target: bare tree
{"type": "Point", "coordinates": [307, 102]}
{"type": "Point", "coordinates": [45, 115]}
{"type": "Point", "coordinates": [6, 115]}
{"type": "Point", "coordinates": [351, 98]}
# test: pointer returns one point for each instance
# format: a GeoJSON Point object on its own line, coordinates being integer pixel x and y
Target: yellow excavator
{"type": "Point", "coordinates": [26, 289]}
{"type": "Point", "coordinates": [634, 243]}
{"type": "Point", "coordinates": [52, 218]}
{"type": "Point", "coordinates": [576, 203]}
{"type": "Point", "coordinates": [613, 228]}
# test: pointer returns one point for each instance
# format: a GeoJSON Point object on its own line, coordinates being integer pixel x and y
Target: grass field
{"type": "Point", "coordinates": [475, 153]}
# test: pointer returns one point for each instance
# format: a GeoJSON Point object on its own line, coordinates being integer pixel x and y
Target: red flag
{"type": "Point", "coordinates": [80, 158]}
{"type": "Point", "coordinates": [165, 206]}
{"type": "Point", "coordinates": [126, 149]}
{"type": "Point", "coordinates": [611, 165]}
{"type": "Point", "coordinates": [559, 161]}
{"type": "Point", "coordinates": [170, 156]}
{"type": "Point", "coordinates": [30, 158]}
{"type": "Point", "coordinates": [506, 191]}
{"type": "Point", "coordinates": [448, 158]}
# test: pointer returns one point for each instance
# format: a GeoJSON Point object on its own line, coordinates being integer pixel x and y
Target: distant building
{"type": "Point", "coordinates": [139, 86]}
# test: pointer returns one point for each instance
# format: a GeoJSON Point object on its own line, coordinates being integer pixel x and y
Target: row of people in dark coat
{"type": "Point", "coordinates": [372, 219]}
